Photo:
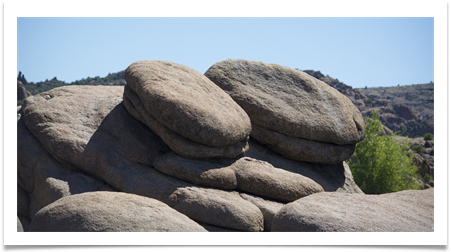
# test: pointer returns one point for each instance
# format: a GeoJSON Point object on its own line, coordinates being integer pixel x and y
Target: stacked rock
{"type": "Point", "coordinates": [175, 136]}
{"type": "Point", "coordinates": [192, 115]}
{"type": "Point", "coordinates": [293, 113]}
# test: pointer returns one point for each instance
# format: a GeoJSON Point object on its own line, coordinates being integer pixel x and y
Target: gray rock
{"type": "Point", "coordinates": [269, 208]}
{"type": "Point", "coordinates": [405, 211]}
{"type": "Point", "coordinates": [106, 142]}
{"type": "Point", "coordinates": [25, 222]}
{"type": "Point", "coordinates": [111, 212]}
{"type": "Point", "coordinates": [218, 208]}
{"type": "Point", "coordinates": [42, 176]}
{"type": "Point", "coordinates": [19, 225]}
{"type": "Point", "coordinates": [211, 228]}
{"type": "Point", "coordinates": [429, 143]}
{"type": "Point", "coordinates": [188, 103]}
{"type": "Point", "coordinates": [289, 101]}
{"type": "Point", "coordinates": [337, 177]}
{"type": "Point", "coordinates": [23, 203]}
{"type": "Point", "coordinates": [245, 174]}
{"type": "Point", "coordinates": [179, 144]}
{"type": "Point", "coordinates": [302, 149]}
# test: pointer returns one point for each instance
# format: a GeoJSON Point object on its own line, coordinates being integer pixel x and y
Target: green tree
{"type": "Point", "coordinates": [428, 136]}
{"type": "Point", "coordinates": [381, 165]}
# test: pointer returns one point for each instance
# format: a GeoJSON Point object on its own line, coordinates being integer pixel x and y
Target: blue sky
{"type": "Point", "coordinates": [358, 51]}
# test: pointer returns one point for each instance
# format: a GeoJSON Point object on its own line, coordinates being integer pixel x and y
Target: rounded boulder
{"type": "Point", "coordinates": [111, 212]}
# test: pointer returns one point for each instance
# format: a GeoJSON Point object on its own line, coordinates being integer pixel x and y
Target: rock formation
{"type": "Point", "coordinates": [172, 146]}
{"type": "Point", "coordinates": [177, 103]}
{"type": "Point", "coordinates": [111, 212]}
{"type": "Point", "coordinates": [405, 211]}
{"type": "Point", "coordinates": [291, 112]}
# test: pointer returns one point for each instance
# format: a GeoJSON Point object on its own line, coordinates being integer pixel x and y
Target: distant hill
{"type": "Point", "coordinates": [407, 110]}
{"type": "Point", "coordinates": [419, 97]}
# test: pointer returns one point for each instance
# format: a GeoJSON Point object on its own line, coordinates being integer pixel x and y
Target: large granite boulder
{"type": "Point", "coordinates": [293, 104]}
{"type": "Point", "coordinates": [111, 212]}
{"type": "Point", "coordinates": [405, 211]}
{"type": "Point", "coordinates": [186, 102]}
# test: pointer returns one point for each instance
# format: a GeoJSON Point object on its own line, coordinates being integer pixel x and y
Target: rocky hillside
{"type": "Point", "coordinates": [396, 116]}
{"type": "Point", "coordinates": [419, 97]}
{"type": "Point", "coordinates": [176, 150]}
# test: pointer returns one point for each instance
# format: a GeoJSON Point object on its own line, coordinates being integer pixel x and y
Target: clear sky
{"type": "Point", "coordinates": [358, 51]}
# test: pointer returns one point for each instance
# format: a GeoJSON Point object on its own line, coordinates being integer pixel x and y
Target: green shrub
{"type": "Point", "coordinates": [428, 136]}
{"type": "Point", "coordinates": [379, 164]}
{"type": "Point", "coordinates": [19, 102]}
{"type": "Point", "coordinates": [418, 149]}
{"type": "Point", "coordinates": [428, 178]}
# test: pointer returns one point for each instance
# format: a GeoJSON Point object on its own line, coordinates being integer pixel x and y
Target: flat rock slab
{"type": "Point", "coordinates": [405, 211]}
{"type": "Point", "coordinates": [111, 212]}
{"type": "Point", "coordinates": [289, 101]}
{"type": "Point", "coordinates": [245, 174]}
{"type": "Point", "coordinates": [188, 103]}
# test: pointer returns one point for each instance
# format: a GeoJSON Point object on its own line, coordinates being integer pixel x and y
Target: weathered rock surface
{"type": "Point", "coordinates": [179, 144]}
{"type": "Point", "coordinates": [409, 211]}
{"type": "Point", "coordinates": [293, 113]}
{"type": "Point", "coordinates": [111, 145]}
{"type": "Point", "coordinates": [302, 149]}
{"type": "Point", "coordinates": [19, 225]}
{"type": "Point", "coordinates": [245, 174]}
{"type": "Point", "coordinates": [336, 177]}
{"type": "Point", "coordinates": [42, 176]}
{"type": "Point", "coordinates": [269, 208]}
{"type": "Point", "coordinates": [111, 212]}
{"type": "Point", "coordinates": [289, 101]}
{"type": "Point", "coordinates": [188, 103]}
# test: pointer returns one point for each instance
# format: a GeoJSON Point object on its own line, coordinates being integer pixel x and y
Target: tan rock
{"type": "Point", "coordinates": [111, 212]}
{"type": "Point", "coordinates": [179, 144]}
{"type": "Point", "coordinates": [302, 149]}
{"type": "Point", "coordinates": [289, 101]}
{"type": "Point", "coordinates": [245, 174]}
{"type": "Point", "coordinates": [405, 211]}
{"type": "Point", "coordinates": [188, 103]}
